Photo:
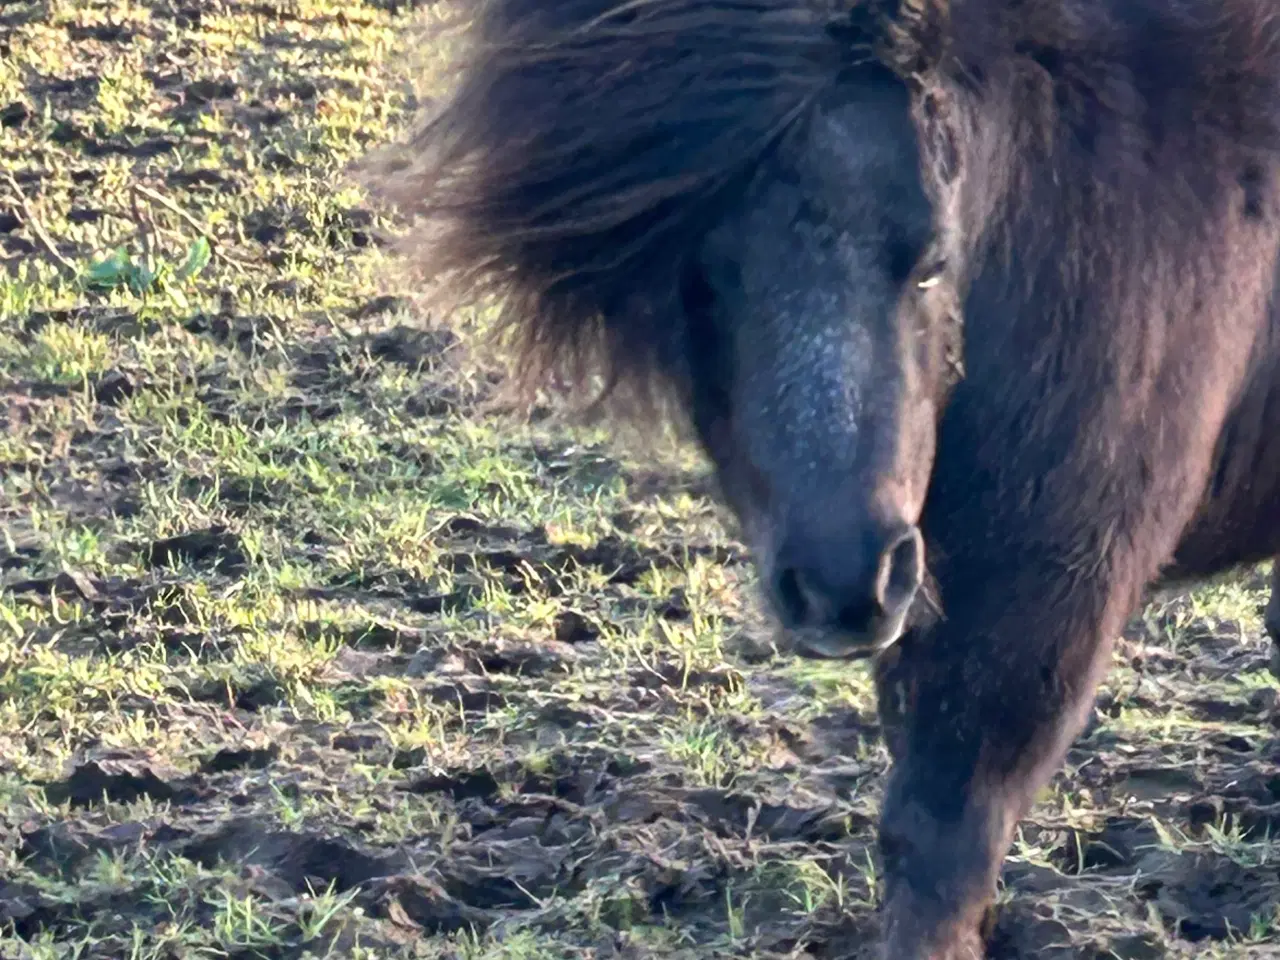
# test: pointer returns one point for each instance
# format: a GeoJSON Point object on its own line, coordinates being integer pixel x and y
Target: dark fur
{"type": "Point", "coordinates": [1108, 172]}
{"type": "Point", "coordinates": [1122, 376]}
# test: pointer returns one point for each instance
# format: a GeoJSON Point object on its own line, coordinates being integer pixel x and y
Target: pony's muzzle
{"type": "Point", "coordinates": [836, 606]}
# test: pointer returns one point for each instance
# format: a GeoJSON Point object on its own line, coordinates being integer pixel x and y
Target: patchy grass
{"type": "Point", "coordinates": [307, 650]}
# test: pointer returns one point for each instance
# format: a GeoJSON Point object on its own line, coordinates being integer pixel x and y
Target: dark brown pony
{"type": "Point", "coordinates": [988, 284]}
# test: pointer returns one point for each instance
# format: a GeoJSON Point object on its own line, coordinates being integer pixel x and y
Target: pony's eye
{"type": "Point", "coordinates": [931, 276]}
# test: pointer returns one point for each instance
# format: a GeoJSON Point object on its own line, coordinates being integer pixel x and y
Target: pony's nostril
{"type": "Point", "coordinates": [792, 603]}
{"type": "Point", "coordinates": [856, 594]}
{"type": "Point", "coordinates": [805, 602]}
{"type": "Point", "coordinates": [857, 617]}
{"type": "Point", "coordinates": [901, 572]}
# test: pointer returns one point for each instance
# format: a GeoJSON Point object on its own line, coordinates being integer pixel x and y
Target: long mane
{"type": "Point", "coordinates": [586, 145]}
{"type": "Point", "coordinates": [581, 155]}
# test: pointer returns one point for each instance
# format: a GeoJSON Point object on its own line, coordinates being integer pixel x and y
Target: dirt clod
{"type": "Point", "coordinates": [216, 547]}
{"type": "Point", "coordinates": [119, 779]}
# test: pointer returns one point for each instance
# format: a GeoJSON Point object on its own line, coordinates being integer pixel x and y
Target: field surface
{"type": "Point", "coordinates": [310, 648]}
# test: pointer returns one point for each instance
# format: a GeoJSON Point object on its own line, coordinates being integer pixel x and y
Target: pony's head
{"type": "Point", "coordinates": [728, 203]}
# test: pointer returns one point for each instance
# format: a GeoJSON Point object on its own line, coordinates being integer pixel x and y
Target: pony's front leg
{"type": "Point", "coordinates": [979, 711]}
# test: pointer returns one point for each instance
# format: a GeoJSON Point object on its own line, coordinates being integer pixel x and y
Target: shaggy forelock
{"type": "Point", "coordinates": [581, 156]}
{"type": "Point", "coordinates": [587, 145]}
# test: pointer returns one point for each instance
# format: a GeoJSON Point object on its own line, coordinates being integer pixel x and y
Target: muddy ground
{"type": "Point", "coordinates": [308, 649]}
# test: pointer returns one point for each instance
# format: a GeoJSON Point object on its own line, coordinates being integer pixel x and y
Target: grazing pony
{"type": "Point", "coordinates": [969, 303]}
